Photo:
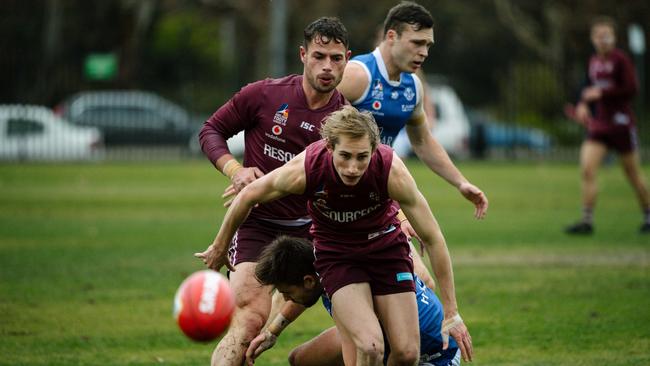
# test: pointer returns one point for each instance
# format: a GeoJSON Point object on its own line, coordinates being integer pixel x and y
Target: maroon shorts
{"type": "Point", "coordinates": [621, 139]}
{"type": "Point", "coordinates": [388, 270]}
{"type": "Point", "coordinates": [254, 235]}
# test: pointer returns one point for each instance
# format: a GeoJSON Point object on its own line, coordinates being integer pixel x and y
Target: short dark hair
{"type": "Point", "coordinates": [407, 12]}
{"type": "Point", "coordinates": [287, 260]}
{"type": "Point", "coordinates": [324, 30]}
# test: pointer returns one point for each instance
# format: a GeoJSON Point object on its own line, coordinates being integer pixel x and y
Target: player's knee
{"type": "Point", "coordinates": [249, 323]}
{"type": "Point", "coordinates": [407, 355]}
{"type": "Point", "coordinates": [294, 357]}
{"type": "Point", "coordinates": [253, 324]}
{"type": "Point", "coordinates": [373, 348]}
{"type": "Point", "coordinates": [588, 174]}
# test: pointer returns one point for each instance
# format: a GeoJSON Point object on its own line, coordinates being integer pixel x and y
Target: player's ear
{"type": "Point", "coordinates": [309, 281]}
{"type": "Point", "coordinates": [348, 54]}
{"type": "Point", "coordinates": [391, 35]}
{"type": "Point", "coordinates": [303, 54]}
{"type": "Point", "coordinates": [329, 146]}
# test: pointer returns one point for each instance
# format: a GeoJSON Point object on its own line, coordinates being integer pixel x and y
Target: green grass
{"type": "Point", "coordinates": [91, 255]}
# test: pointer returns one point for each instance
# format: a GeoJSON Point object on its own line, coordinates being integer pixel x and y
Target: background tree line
{"type": "Point", "coordinates": [521, 60]}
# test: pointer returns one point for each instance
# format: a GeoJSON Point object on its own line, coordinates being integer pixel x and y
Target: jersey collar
{"type": "Point", "coordinates": [382, 68]}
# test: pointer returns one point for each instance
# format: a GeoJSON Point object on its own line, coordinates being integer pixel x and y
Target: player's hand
{"type": "Point", "coordinates": [229, 195]}
{"type": "Point", "coordinates": [570, 113]}
{"type": "Point", "coordinates": [244, 177]}
{"type": "Point", "coordinates": [473, 194]}
{"type": "Point", "coordinates": [591, 94]}
{"type": "Point", "coordinates": [456, 328]}
{"type": "Point", "coordinates": [258, 345]}
{"type": "Point", "coordinates": [216, 257]}
{"type": "Point", "coordinates": [582, 113]}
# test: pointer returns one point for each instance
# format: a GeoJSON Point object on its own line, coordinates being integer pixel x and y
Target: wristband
{"type": "Point", "coordinates": [278, 324]}
{"type": "Point", "coordinates": [271, 338]}
{"type": "Point", "coordinates": [455, 319]}
{"type": "Point", "coordinates": [230, 168]}
{"type": "Point", "coordinates": [450, 323]}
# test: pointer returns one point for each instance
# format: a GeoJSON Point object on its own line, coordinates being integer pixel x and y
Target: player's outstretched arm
{"type": "Point", "coordinates": [402, 188]}
{"type": "Point", "coordinates": [429, 150]}
{"type": "Point", "coordinates": [288, 179]}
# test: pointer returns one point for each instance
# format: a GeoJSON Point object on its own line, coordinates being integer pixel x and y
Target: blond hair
{"type": "Point", "coordinates": [350, 122]}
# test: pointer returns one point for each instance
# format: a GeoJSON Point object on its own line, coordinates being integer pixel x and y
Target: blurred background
{"type": "Point", "coordinates": [92, 253]}
{"type": "Point", "coordinates": [131, 79]}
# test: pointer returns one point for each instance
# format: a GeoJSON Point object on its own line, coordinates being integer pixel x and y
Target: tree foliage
{"type": "Point", "coordinates": [199, 52]}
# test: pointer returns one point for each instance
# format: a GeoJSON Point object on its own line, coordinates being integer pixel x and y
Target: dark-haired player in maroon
{"type": "Point", "coordinates": [362, 257]}
{"type": "Point", "coordinates": [280, 117]}
{"type": "Point", "coordinates": [611, 87]}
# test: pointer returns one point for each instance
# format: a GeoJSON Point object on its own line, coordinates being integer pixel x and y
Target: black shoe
{"type": "Point", "coordinates": [580, 228]}
{"type": "Point", "coordinates": [645, 228]}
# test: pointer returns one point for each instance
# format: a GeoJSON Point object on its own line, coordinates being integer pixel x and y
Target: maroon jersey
{"type": "Point", "coordinates": [350, 218]}
{"type": "Point", "coordinates": [615, 75]}
{"type": "Point", "coordinates": [278, 125]}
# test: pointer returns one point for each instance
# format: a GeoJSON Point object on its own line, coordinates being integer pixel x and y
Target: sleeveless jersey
{"type": "Point", "coordinates": [430, 316]}
{"type": "Point", "coordinates": [349, 218]}
{"type": "Point", "coordinates": [392, 103]}
{"type": "Point", "coordinates": [278, 125]}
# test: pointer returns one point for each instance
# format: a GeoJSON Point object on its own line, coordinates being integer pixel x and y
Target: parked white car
{"type": "Point", "coordinates": [451, 126]}
{"type": "Point", "coordinates": [29, 132]}
{"type": "Point", "coordinates": [235, 144]}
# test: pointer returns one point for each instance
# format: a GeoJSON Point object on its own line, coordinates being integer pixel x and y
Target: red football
{"type": "Point", "coordinates": [203, 305]}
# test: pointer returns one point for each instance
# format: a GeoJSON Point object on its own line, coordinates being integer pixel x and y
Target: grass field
{"type": "Point", "coordinates": [91, 255]}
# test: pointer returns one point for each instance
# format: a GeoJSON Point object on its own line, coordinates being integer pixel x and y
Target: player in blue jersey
{"type": "Point", "coordinates": [384, 83]}
{"type": "Point", "coordinates": [287, 264]}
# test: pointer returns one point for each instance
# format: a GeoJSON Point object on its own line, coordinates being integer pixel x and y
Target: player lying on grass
{"type": "Point", "coordinates": [287, 264]}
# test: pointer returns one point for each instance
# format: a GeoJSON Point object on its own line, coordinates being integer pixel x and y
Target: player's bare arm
{"type": "Point", "coordinates": [429, 150]}
{"type": "Point", "coordinates": [286, 180]}
{"type": "Point", "coordinates": [354, 83]}
{"type": "Point", "coordinates": [402, 188]}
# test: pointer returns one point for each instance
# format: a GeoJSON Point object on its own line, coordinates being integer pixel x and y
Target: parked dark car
{"type": "Point", "coordinates": [129, 117]}
{"type": "Point", "coordinates": [488, 133]}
